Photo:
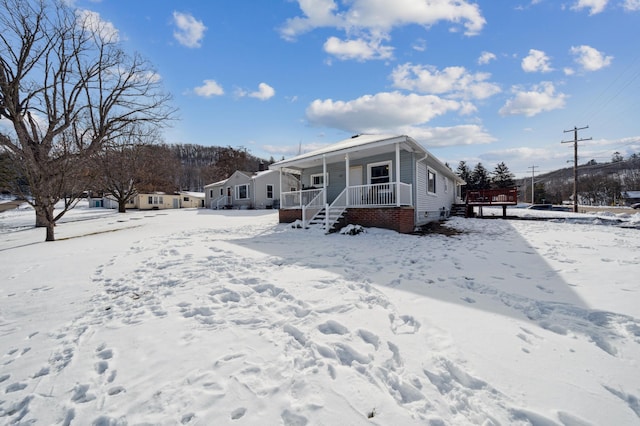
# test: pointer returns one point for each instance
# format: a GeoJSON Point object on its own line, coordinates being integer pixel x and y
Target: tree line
{"type": "Point", "coordinates": [480, 178]}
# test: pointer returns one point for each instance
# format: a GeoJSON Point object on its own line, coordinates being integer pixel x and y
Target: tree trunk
{"type": "Point", "coordinates": [122, 206]}
{"type": "Point", "coordinates": [50, 233]}
{"type": "Point", "coordinates": [41, 216]}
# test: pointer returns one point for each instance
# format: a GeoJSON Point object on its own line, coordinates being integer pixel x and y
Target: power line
{"type": "Point", "coordinates": [575, 162]}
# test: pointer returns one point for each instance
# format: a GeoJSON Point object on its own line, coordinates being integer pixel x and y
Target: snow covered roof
{"type": "Point", "coordinates": [353, 144]}
{"type": "Point", "coordinates": [360, 146]}
{"type": "Point", "coordinates": [192, 194]}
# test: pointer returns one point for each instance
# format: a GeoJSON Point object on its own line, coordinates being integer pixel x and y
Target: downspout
{"type": "Point", "coordinates": [397, 174]}
{"type": "Point", "coordinates": [346, 161]}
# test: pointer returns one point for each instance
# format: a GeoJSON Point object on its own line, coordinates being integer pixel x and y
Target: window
{"type": "Point", "coordinates": [242, 192]}
{"type": "Point", "coordinates": [379, 172]}
{"type": "Point", "coordinates": [160, 201]}
{"type": "Point", "coordinates": [431, 181]}
{"type": "Point", "coordinates": [221, 192]}
{"type": "Point", "coordinates": [318, 181]}
{"type": "Point", "coordinates": [150, 199]}
{"type": "Point", "coordinates": [211, 193]}
{"type": "Point", "coordinates": [185, 199]}
{"type": "Point", "coordinates": [269, 191]}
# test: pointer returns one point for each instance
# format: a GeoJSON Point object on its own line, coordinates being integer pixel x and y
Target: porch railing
{"type": "Point", "coordinates": [297, 199]}
{"type": "Point", "coordinates": [380, 194]}
{"type": "Point", "coordinates": [218, 202]}
{"type": "Point", "coordinates": [376, 195]}
{"type": "Point", "coordinates": [489, 197]}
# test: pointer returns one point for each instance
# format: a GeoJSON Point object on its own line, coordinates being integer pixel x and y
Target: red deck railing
{"type": "Point", "coordinates": [492, 197]}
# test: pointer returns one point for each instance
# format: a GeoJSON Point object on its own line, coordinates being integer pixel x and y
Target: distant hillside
{"type": "Point", "coordinates": [598, 183]}
{"type": "Point", "coordinates": [202, 165]}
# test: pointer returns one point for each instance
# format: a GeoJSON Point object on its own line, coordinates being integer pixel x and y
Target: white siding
{"type": "Point", "coordinates": [429, 206]}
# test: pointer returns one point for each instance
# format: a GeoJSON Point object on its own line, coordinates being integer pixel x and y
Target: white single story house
{"type": "Point", "coordinates": [244, 190]}
{"type": "Point", "coordinates": [153, 201]}
{"type": "Point", "coordinates": [385, 181]}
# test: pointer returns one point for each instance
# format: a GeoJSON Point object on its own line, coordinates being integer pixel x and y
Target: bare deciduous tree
{"type": "Point", "coordinates": [67, 87]}
{"type": "Point", "coordinates": [119, 168]}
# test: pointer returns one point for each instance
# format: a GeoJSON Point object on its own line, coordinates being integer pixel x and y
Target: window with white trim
{"type": "Point", "coordinates": [431, 181]}
{"type": "Point", "coordinates": [269, 191]}
{"type": "Point", "coordinates": [379, 172]}
{"type": "Point", "coordinates": [318, 181]}
{"type": "Point", "coordinates": [242, 192]}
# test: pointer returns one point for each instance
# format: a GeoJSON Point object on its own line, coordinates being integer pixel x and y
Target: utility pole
{"type": "Point", "coordinates": [533, 170]}
{"type": "Point", "coordinates": [575, 163]}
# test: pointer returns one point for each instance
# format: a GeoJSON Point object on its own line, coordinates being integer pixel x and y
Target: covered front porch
{"type": "Point", "coordinates": [356, 178]}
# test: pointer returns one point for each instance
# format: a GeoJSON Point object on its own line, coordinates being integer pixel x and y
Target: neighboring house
{"type": "Point", "coordinates": [383, 181]}
{"type": "Point", "coordinates": [153, 201]}
{"type": "Point", "coordinates": [191, 199]}
{"type": "Point", "coordinates": [244, 190]}
{"type": "Point", "coordinates": [631, 197]}
{"type": "Point", "coordinates": [157, 201]}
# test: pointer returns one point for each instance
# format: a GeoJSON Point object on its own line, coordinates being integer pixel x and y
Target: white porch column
{"type": "Point", "coordinates": [397, 174]}
{"type": "Point", "coordinates": [324, 192]}
{"type": "Point", "coordinates": [346, 162]}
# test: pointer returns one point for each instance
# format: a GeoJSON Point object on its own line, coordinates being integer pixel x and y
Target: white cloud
{"type": "Point", "coordinates": [93, 22]}
{"type": "Point", "coordinates": [594, 6]}
{"type": "Point", "coordinates": [542, 97]}
{"type": "Point", "coordinates": [486, 57]}
{"type": "Point", "coordinates": [264, 92]}
{"type": "Point", "coordinates": [631, 5]}
{"type": "Point", "coordinates": [208, 89]}
{"type": "Point", "coordinates": [536, 61]}
{"type": "Point", "coordinates": [456, 81]}
{"type": "Point", "coordinates": [467, 134]}
{"type": "Point", "coordinates": [421, 45]}
{"type": "Point", "coordinates": [379, 17]}
{"type": "Point", "coordinates": [378, 113]}
{"type": "Point", "coordinates": [190, 31]}
{"type": "Point", "coordinates": [358, 49]}
{"type": "Point", "coordinates": [590, 59]}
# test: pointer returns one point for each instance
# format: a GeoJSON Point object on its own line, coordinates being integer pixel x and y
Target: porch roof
{"type": "Point", "coordinates": [361, 146]}
{"type": "Point", "coordinates": [358, 146]}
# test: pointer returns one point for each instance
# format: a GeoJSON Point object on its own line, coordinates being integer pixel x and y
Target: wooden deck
{"type": "Point", "coordinates": [491, 198]}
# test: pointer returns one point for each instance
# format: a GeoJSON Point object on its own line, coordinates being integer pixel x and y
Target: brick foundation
{"type": "Point", "coordinates": [399, 219]}
{"type": "Point", "coordinates": [289, 216]}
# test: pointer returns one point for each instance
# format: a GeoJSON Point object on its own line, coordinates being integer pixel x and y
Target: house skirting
{"type": "Point", "coordinates": [399, 219]}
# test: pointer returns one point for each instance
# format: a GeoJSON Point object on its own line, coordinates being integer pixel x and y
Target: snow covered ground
{"type": "Point", "coordinates": [204, 317]}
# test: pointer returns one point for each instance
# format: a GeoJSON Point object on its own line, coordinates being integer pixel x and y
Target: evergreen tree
{"type": "Point", "coordinates": [464, 173]}
{"type": "Point", "coordinates": [502, 176]}
{"type": "Point", "coordinates": [480, 177]}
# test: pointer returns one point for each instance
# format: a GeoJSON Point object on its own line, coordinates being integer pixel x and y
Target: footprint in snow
{"type": "Point", "coordinates": [333, 327]}
{"type": "Point", "coordinates": [238, 413]}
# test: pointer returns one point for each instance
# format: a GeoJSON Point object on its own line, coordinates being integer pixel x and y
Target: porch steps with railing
{"type": "Point", "coordinates": [335, 215]}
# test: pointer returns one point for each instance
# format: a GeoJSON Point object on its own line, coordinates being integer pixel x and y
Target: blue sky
{"type": "Point", "coordinates": [482, 81]}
